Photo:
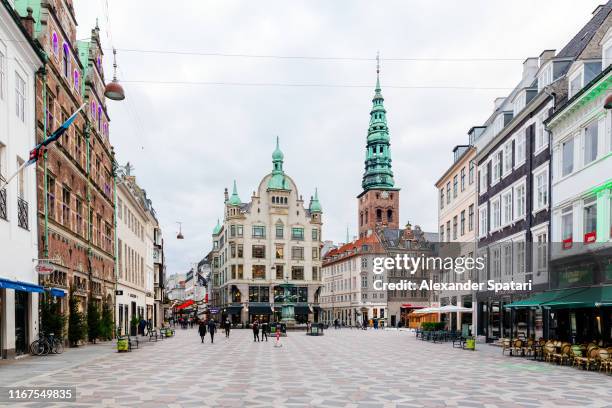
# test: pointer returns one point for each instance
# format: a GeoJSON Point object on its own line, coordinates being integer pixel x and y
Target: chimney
{"type": "Point", "coordinates": [546, 56]}
{"type": "Point", "coordinates": [28, 22]}
{"type": "Point", "coordinates": [530, 67]}
{"type": "Point", "coordinates": [498, 102]}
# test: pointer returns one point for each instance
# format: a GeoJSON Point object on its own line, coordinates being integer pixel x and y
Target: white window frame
{"type": "Point", "coordinates": [518, 215]}
{"type": "Point", "coordinates": [20, 96]}
{"type": "Point", "coordinates": [545, 77]}
{"type": "Point", "coordinates": [567, 213]}
{"type": "Point", "coordinates": [572, 140]}
{"type": "Point", "coordinates": [483, 229]}
{"type": "Point", "coordinates": [537, 205]}
{"type": "Point", "coordinates": [482, 178]}
{"type": "Point", "coordinates": [540, 249]}
{"type": "Point", "coordinates": [578, 75]}
{"type": "Point", "coordinates": [519, 148]}
{"type": "Point", "coordinates": [505, 219]}
{"type": "Point", "coordinates": [541, 137]}
{"type": "Point", "coordinates": [520, 257]}
{"type": "Point", "coordinates": [496, 216]}
{"type": "Point", "coordinates": [496, 167]}
{"type": "Point", "coordinates": [507, 161]}
{"type": "Point", "coordinates": [594, 122]}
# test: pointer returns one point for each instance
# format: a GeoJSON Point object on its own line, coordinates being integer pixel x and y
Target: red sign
{"type": "Point", "coordinates": [44, 269]}
{"type": "Point", "coordinates": [567, 243]}
{"type": "Point", "coordinates": [590, 237]}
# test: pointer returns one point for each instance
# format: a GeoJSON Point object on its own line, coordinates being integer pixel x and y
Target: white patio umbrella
{"type": "Point", "coordinates": [454, 309]}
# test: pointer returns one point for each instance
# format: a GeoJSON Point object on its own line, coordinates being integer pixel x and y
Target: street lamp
{"type": "Point", "coordinates": [114, 90]}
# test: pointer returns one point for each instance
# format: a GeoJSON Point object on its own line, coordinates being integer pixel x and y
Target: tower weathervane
{"type": "Point", "coordinates": [377, 62]}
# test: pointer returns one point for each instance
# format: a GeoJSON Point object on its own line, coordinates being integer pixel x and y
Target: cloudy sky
{"type": "Point", "coordinates": [189, 141]}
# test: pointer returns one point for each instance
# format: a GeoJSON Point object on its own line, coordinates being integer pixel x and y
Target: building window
{"type": "Point", "coordinates": [455, 186]}
{"type": "Point", "coordinates": [259, 251]}
{"type": "Point", "coordinates": [496, 262]}
{"type": "Point", "coordinates": [2, 75]}
{"type": "Point", "coordinates": [232, 231]}
{"type": "Point", "coordinates": [541, 190]}
{"type": "Point", "coordinates": [364, 281]}
{"type": "Point", "coordinates": [239, 231]}
{"type": "Point", "coordinates": [51, 197]}
{"type": "Point", "coordinates": [482, 179]}
{"type": "Point", "coordinates": [280, 231]}
{"type": "Point", "coordinates": [519, 149]}
{"type": "Point", "coordinates": [482, 221]}
{"type": "Point", "coordinates": [65, 64]}
{"type": "Point", "coordinates": [590, 143]}
{"type": "Point", "coordinates": [507, 157]}
{"type": "Point", "coordinates": [507, 207]}
{"type": "Point", "coordinates": [575, 85]}
{"type": "Point", "coordinates": [315, 273]}
{"type": "Point", "coordinates": [448, 193]}
{"type": "Point", "coordinates": [441, 198]}
{"type": "Point", "coordinates": [315, 234]}
{"type": "Point", "coordinates": [463, 223]}
{"type": "Point", "coordinates": [471, 172]}
{"type": "Point", "coordinates": [567, 157]}
{"type": "Point", "coordinates": [507, 256]}
{"type": "Point", "coordinates": [280, 251]}
{"type": "Point", "coordinates": [463, 179]}
{"type": "Point", "coordinates": [66, 207]}
{"type": "Point", "coordinates": [590, 220]}
{"type": "Point", "coordinates": [20, 97]}
{"type": "Point", "coordinates": [76, 80]}
{"type": "Point", "coordinates": [541, 139]}
{"type": "Point", "coordinates": [497, 167]}
{"type": "Point", "coordinates": [240, 251]}
{"type": "Point", "coordinates": [279, 271]}
{"type": "Point", "coordinates": [297, 273]}
{"type": "Point", "coordinates": [259, 231]}
{"type": "Point", "coordinates": [448, 231]}
{"type": "Point", "coordinates": [541, 252]}
{"type": "Point", "coordinates": [441, 233]}
{"type": "Point", "coordinates": [297, 233]}
{"type": "Point", "coordinates": [520, 257]}
{"type": "Point", "coordinates": [455, 227]}
{"type": "Point", "coordinates": [495, 214]}
{"type": "Point", "coordinates": [471, 217]}
{"type": "Point", "coordinates": [315, 253]}
{"type": "Point", "coordinates": [259, 271]}
{"type": "Point", "coordinates": [567, 225]}
{"type": "Point", "coordinates": [297, 253]}
{"type": "Point", "coordinates": [519, 198]}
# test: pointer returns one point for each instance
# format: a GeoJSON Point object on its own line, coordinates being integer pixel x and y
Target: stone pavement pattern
{"type": "Point", "coordinates": [344, 368]}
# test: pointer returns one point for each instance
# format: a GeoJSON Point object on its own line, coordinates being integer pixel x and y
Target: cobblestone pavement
{"type": "Point", "coordinates": [344, 368]}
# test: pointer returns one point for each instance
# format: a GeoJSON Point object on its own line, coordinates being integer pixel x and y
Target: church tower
{"type": "Point", "coordinates": [379, 200]}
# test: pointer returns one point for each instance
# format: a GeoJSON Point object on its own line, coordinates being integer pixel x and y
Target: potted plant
{"type": "Point", "coordinates": [134, 325]}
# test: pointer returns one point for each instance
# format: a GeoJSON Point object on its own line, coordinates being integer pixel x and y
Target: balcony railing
{"type": "Point", "coordinates": [22, 213]}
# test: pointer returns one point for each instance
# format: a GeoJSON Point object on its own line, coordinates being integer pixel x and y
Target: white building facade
{"type": "Point", "coordinates": [19, 289]}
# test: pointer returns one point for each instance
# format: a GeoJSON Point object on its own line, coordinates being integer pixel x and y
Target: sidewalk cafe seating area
{"type": "Point", "coordinates": [591, 356]}
{"type": "Point", "coordinates": [128, 343]}
{"type": "Point", "coordinates": [435, 333]}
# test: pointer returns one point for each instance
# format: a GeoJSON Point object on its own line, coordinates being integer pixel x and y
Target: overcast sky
{"type": "Point", "coordinates": [188, 142]}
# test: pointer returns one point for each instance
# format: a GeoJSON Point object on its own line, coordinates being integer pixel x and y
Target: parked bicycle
{"type": "Point", "coordinates": [46, 343]}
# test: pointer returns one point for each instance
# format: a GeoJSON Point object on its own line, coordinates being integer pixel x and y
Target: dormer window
{"type": "Point", "coordinates": [575, 84]}
{"type": "Point", "coordinates": [546, 77]}
{"type": "Point", "coordinates": [519, 102]}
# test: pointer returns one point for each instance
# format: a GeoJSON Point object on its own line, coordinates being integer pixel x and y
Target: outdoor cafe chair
{"type": "Point", "coordinates": [528, 349]}
{"type": "Point", "coordinates": [507, 346]}
{"type": "Point", "coordinates": [549, 350]}
{"type": "Point", "coordinates": [605, 359]}
{"type": "Point", "coordinates": [517, 347]}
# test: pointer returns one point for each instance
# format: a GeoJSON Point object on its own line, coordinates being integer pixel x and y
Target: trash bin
{"type": "Point", "coordinates": [122, 345]}
{"type": "Point", "coordinates": [470, 344]}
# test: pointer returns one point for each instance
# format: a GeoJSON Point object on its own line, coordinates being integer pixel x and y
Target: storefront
{"type": "Point", "coordinates": [260, 312]}
{"type": "Point", "coordinates": [18, 316]}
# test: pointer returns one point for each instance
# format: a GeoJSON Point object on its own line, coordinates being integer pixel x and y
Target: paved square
{"type": "Point", "coordinates": [344, 368]}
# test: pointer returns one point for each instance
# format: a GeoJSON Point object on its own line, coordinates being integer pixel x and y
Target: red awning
{"type": "Point", "coordinates": [409, 306]}
{"type": "Point", "coordinates": [185, 304]}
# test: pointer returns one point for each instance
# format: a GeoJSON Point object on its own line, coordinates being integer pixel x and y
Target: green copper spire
{"type": "Point", "coordinates": [278, 180]}
{"type": "Point", "coordinates": [234, 199]}
{"type": "Point", "coordinates": [315, 205]}
{"type": "Point", "coordinates": [378, 173]}
{"type": "Point", "coordinates": [217, 228]}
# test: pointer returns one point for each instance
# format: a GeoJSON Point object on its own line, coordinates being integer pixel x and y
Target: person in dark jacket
{"type": "Point", "coordinates": [202, 330]}
{"type": "Point", "coordinates": [212, 328]}
{"type": "Point", "coordinates": [256, 330]}
{"type": "Point", "coordinates": [264, 331]}
{"type": "Point", "coordinates": [228, 326]}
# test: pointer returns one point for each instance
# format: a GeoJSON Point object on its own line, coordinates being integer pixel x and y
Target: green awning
{"type": "Point", "coordinates": [591, 297]}
{"type": "Point", "coordinates": [542, 299]}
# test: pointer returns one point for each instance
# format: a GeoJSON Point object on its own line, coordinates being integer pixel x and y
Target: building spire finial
{"type": "Point", "coordinates": [377, 71]}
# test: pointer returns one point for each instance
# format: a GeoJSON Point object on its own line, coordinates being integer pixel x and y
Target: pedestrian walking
{"type": "Point", "coordinates": [227, 328]}
{"type": "Point", "coordinates": [202, 330]}
{"type": "Point", "coordinates": [255, 330]}
{"type": "Point", "coordinates": [211, 329]}
{"type": "Point", "coordinates": [264, 331]}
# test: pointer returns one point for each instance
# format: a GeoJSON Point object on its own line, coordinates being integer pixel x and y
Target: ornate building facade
{"type": "Point", "coordinates": [270, 240]}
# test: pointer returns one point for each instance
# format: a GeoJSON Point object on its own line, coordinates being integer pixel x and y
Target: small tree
{"type": "Point", "coordinates": [76, 323]}
{"type": "Point", "coordinates": [106, 322]}
{"type": "Point", "coordinates": [93, 321]}
{"type": "Point", "coordinates": [52, 320]}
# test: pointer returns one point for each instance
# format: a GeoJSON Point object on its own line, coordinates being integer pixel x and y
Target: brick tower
{"type": "Point", "coordinates": [379, 200]}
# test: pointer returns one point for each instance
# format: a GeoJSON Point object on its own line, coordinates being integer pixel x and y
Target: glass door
{"type": "Point", "coordinates": [21, 322]}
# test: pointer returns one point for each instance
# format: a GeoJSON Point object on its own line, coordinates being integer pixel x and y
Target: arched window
{"type": "Point", "coordinates": [99, 117]}
{"type": "Point", "coordinates": [54, 43]}
{"type": "Point", "coordinates": [65, 56]}
{"type": "Point", "coordinates": [361, 218]}
{"type": "Point", "coordinates": [76, 80]}
{"type": "Point", "coordinates": [366, 216]}
{"type": "Point", "coordinates": [379, 215]}
{"type": "Point", "coordinates": [389, 215]}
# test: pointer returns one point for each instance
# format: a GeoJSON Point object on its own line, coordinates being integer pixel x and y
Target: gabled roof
{"type": "Point", "coordinates": [579, 42]}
